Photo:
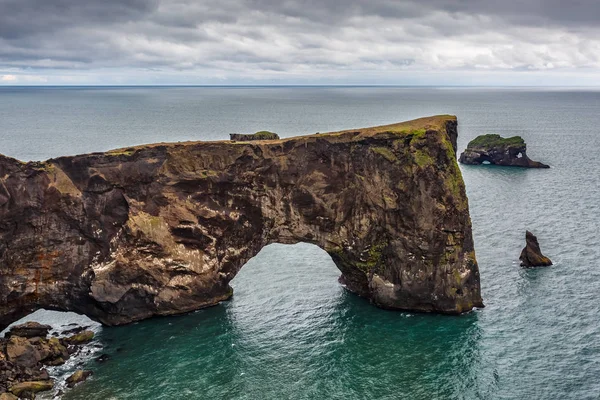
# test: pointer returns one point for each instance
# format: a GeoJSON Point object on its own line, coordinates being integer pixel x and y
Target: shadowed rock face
{"type": "Point", "coordinates": [531, 255]}
{"type": "Point", "coordinates": [496, 150]}
{"type": "Point", "coordinates": [162, 229]}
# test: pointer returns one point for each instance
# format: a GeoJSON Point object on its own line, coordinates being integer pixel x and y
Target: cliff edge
{"type": "Point", "coordinates": [162, 229]}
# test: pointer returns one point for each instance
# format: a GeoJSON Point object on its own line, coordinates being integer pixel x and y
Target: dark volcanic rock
{"type": "Point", "coordinates": [262, 135]}
{"type": "Point", "coordinates": [531, 255]}
{"type": "Point", "coordinates": [29, 329]}
{"type": "Point", "coordinates": [162, 229]}
{"type": "Point", "coordinates": [103, 358]}
{"type": "Point", "coordinates": [496, 150]}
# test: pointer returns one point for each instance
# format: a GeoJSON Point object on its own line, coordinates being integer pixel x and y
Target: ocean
{"type": "Point", "coordinates": [291, 331]}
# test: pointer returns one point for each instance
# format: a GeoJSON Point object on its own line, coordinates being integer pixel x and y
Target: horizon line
{"type": "Point", "coordinates": [296, 85]}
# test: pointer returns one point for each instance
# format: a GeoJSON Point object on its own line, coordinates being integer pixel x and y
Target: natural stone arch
{"type": "Point", "coordinates": [162, 229]}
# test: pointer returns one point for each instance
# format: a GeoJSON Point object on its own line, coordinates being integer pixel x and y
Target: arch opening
{"type": "Point", "coordinates": [284, 276]}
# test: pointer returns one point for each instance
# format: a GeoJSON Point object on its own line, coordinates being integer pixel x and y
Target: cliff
{"type": "Point", "coordinates": [162, 229]}
{"type": "Point", "coordinates": [496, 150]}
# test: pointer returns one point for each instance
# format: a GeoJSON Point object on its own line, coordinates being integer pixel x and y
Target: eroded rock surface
{"type": "Point", "coordinates": [531, 255]}
{"type": "Point", "coordinates": [162, 229]}
{"type": "Point", "coordinates": [496, 150]}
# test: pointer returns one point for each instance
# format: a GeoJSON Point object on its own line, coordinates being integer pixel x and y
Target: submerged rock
{"type": "Point", "coordinates": [77, 377]}
{"type": "Point", "coordinates": [531, 255]}
{"type": "Point", "coordinates": [163, 229]}
{"type": "Point", "coordinates": [496, 150]}
{"type": "Point", "coordinates": [103, 358]}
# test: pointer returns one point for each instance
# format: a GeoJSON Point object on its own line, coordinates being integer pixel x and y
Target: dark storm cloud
{"type": "Point", "coordinates": [267, 38]}
{"type": "Point", "coordinates": [20, 18]}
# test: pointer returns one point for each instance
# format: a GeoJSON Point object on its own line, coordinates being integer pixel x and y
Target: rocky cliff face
{"type": "Point", "coordinates": [162, 229]}
{"type": "Point", "coordinates": [531, 255]}
{"type": "Point", "coordinates": [496, 150]}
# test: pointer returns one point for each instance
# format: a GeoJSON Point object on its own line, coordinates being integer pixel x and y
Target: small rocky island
{"type": "Point", "coordinates": [162, 229]}
{"type": "Point", "coordinates": [496, 150]}
{"type": "Point", "coordinates": [260, 135]}
{"type": "Point", "coordinates": [27, 350]}
{"type": "Point", "coordinates": [531, 255]}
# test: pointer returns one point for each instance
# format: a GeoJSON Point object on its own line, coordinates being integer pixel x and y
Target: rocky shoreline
{"type": "Point", "coordinates": [29, 350]}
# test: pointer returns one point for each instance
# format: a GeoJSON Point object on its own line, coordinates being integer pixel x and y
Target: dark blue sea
{"type": "Point", "coordinates": [291, 331]}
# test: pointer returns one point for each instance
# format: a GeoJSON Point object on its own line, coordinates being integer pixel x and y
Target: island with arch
{"type": "Point", "coordinates": [162, 229]}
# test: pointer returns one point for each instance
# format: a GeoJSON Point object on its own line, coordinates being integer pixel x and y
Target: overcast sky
{"type": "Point", "coordinates": [405, 42]}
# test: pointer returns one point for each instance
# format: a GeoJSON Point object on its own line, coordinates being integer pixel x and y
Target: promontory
{"type": "Point", "coordinates": [162, 229]}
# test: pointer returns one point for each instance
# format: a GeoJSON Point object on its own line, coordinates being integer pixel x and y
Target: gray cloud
{"type": "Point", "coordinates": [292, 40]}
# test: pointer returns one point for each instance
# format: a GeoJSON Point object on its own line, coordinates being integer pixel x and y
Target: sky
{"type": "Point", "coordinates": [312, 42]}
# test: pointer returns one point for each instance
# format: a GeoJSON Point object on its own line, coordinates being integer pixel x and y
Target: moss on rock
{"type": "Point", "coordinates": [495, 140]}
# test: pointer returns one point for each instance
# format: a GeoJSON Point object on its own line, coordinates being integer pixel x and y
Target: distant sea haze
{"type": "Point", "coordinates": [291, 331]}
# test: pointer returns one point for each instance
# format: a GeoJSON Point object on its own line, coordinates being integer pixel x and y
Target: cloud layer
{"type": "Point", "coordinates": [326, 41]}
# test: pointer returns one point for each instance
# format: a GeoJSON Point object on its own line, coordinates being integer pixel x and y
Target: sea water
{"type": "Point", "coordinates": [290, 330]}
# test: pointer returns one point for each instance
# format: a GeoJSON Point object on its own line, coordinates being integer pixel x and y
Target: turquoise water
{"type": "Point", "coordinates": [291, 331]}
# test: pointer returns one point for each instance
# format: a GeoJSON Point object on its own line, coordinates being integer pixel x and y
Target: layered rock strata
{"type": "Point", "coordinates": [162, 229]}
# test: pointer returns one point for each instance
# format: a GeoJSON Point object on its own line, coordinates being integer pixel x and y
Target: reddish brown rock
{"type": "Point", "coordinates": [162, 229]}
{"type": "Point", "coordinates": [22, 352]}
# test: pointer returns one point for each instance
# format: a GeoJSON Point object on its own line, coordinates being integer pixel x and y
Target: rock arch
{"type": "Point", "coordinates": [162, 229]}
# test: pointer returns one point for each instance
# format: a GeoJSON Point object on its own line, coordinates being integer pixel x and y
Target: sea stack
{"type": "Point", "coordinates": [496, 150]}
{"type": "Point", "coordinates": [532, 256]}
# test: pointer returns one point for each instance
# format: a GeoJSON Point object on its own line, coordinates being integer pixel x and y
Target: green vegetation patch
{"type": "Point", "coordinates": [494, 140]}
{"type": "Point", "coordinates": [260, 135]}
{"type": "Point", "coordinates": [386, 153]}
{"type": "Point", "coordinates": [423, 158]}
{"type": "Point", "coordinates": [266, 135]}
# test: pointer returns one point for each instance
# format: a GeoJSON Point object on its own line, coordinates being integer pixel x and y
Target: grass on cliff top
{"type": "Point", "coordinates": [265, 135]}
{"type": "Point", "coordinates": [494, 140]}
{"type": "Point", "coordinates": [436, 122]}
{"type": "Point", "coordinates": [416, 126]}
